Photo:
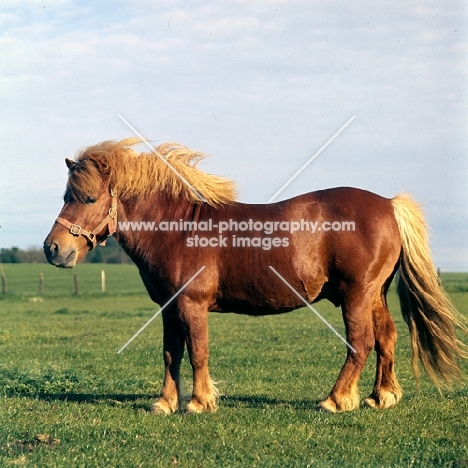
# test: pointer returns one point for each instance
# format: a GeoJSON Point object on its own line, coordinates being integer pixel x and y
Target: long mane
{"type": "Point", "coordinates": [170, 168]}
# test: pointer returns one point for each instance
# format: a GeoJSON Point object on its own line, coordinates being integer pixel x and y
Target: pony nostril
{"type": "Point", "coordinates": [51, 250]}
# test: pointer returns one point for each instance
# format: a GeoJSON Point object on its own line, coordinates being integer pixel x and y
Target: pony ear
{"type": "Point", "coordinates": [69, 163]}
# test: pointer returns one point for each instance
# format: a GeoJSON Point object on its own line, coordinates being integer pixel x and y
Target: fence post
{"type": "Point", "coordinates": [76, 284]}
{"type": "Point", "coordinates": [103, 281]}
{"type": "Point", "coordinates": [4, 285]}
{"type": "Point", "coordinates": [41, 283]}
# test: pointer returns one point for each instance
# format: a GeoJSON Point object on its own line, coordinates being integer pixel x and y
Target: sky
{"type": "Point", "coordinates": [260, 86]}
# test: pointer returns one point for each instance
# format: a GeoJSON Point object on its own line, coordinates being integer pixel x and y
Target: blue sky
{"type": "Point", "coordinates": [260, 86]}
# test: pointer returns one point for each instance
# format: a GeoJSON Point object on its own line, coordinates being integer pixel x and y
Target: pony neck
{"type": "Point", "coordinates": [137, 215]}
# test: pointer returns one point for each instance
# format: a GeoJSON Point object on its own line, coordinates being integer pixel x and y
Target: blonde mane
{"type": "Point", "coordinates": [133, 174]}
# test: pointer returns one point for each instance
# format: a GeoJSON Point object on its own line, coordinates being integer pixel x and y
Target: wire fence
{"type": "Point", "coordinates": [43, 279]}
{"type": "Point", "coordinates": [36, 279]}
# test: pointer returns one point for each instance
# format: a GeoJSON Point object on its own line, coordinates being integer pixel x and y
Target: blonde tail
{"type": "Point", "coordinates": [430, 315]}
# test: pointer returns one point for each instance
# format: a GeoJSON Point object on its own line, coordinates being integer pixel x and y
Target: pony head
{"type": "Point", "coordinates": [88, 216]}
{"type": "Point", "coordinates": [112, 171]}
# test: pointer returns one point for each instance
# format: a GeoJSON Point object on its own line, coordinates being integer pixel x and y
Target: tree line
{"type": "Point", "coordinates": [111, 253]}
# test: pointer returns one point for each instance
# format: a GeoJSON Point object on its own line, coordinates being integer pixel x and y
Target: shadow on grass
{"type": "Point", "coordinates": [139, 401]}
{"type": "Point", "coordinates": [262, 402]}
{"type": "Point", "coordinates": [144, 402]}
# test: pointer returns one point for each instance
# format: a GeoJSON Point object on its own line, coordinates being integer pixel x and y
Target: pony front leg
{"type": "Point", "coordinates": [173, 348]}
{"type": "Point", "coordinates": [195, 318]}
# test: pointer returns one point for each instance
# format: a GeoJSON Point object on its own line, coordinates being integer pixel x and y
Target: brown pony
{"type": "Point", "coordinates": [359, 242]}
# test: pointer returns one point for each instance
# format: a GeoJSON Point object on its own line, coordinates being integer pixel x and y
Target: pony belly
{"type": "Point", "coordinates": [246, 308]}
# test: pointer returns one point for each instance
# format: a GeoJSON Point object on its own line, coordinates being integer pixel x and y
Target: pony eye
{"type": "Point", "coordinates": [90, 200]}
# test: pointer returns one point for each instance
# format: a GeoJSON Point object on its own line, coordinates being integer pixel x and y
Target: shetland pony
{"type": "Point", "coordinates": [352, 268]}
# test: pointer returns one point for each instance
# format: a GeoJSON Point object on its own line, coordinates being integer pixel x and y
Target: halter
{"type": "Point", "coordinates": [110, 221]}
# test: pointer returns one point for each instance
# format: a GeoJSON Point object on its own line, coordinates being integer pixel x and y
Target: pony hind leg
{"type": "Point", "coordinates": [357, 315]}
{"type": "Point", "coordinates": [173, 350]}
{"type": "Point", "coordinates": [387, 392]}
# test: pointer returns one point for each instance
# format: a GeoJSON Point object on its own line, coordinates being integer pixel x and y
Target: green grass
{"type": "Point", "coordinates": [67, 399]}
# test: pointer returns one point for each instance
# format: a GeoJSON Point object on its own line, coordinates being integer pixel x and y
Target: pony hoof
{"type": "Point", "coordinates": [384, 400]}
{"type": "Point", "coordinates": [159, 408]}
{"type": "Point", "coordinates": [195, 408]}
{"type": "Point", "coordinates": [328, 405]}
{"type": "Point", "coordinates": [371, 403]}
{"type": "Point", "coordinates": [339, 403]}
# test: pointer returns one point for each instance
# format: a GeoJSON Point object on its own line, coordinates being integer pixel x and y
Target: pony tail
{"type": "Point", "coordinates": [429, 313]}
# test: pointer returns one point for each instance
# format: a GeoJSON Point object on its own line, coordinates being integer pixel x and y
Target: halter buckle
{"type": "Point", "coordinates": [75, 229]}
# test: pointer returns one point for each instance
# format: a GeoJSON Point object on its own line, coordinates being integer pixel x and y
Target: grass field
{"type": "Point", "coordinates": [69, 400]}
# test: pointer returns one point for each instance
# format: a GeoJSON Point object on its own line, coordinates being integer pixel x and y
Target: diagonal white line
{"type": "Point", "coordinates": [197, 193]}
{"type": "Point", "coordinates": [312, 309]}
{"type": "Point", "coordinates": [161, 309]}
{"type": "Point", "coordinates": [311, 159]}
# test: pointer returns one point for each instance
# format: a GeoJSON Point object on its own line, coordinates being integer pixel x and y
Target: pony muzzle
{"type": "Point", "coordinates": [59, 256]}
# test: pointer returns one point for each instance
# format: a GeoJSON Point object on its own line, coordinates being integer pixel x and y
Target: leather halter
{"type": "Point", "coordinates": [110, 221]}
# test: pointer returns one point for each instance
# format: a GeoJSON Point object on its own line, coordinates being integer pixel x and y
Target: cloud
{"type": "Point", "coordinates": [260, 86]}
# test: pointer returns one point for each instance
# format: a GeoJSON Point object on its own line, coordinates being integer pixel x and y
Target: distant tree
{"type": "Point", "coordinates": [32, 255]}
{"type": "Point", "coordinates": [10, 255]}
{"type": "Point", "coordinates": [111, 253]}
{"type": "Point", "coordinates": [95, 256]}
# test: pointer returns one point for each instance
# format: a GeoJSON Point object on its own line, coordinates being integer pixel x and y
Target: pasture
{"type": "Point", "coordinates": [67, 399]}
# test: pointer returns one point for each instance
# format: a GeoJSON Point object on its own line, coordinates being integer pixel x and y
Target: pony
{"type": "Point", "coordinates": [114, 190]}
